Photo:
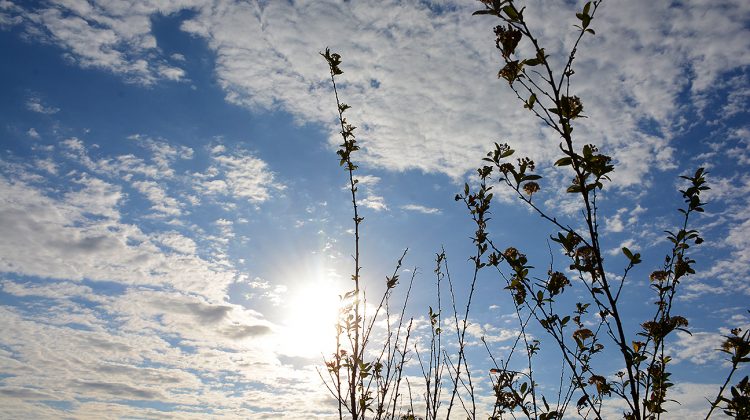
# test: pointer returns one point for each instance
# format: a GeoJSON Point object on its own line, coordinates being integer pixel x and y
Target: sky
{"type": "Point", "coordinates": [176, 228]}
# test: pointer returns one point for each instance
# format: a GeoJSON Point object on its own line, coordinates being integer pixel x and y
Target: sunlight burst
{"type": "Point", "coordinates": [311, 317]}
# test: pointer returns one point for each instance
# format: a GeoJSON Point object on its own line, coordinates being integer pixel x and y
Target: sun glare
{"type": "Point", "coordinates": [311, 318]}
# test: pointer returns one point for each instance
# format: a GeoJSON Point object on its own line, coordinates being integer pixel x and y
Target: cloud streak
{"type": "Point", "coordinates": [421, 80]}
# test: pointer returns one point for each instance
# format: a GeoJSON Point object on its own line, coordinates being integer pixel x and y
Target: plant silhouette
{"type": "Point", "coordinates": [641, 379]}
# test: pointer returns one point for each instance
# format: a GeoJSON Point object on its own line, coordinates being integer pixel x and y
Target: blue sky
{"type": "Point", "coordinates": [175, 223]}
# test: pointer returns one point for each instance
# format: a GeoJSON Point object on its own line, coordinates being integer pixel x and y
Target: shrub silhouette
{"type": "Point", "coordinates": [366, 385]}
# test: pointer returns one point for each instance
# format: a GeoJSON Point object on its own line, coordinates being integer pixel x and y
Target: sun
{"type": "Point", "coordinates": [310, 318]}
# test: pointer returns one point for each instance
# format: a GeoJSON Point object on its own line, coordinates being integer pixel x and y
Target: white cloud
{"type": "Point", "coordinates": [33, 133]}
{"type": "Point", "coordinates": [80, 236]}
{"type": "Point", "coordinates": [226, 230]}
{"type": "Point", "coordinates": [733, 271]}
{"type": "Point", "coordinates": [692, 403]}
{"type": "Point", "coordinates": [73, 144]}
{"type": "Point", "coordinates": [177, 242]}
{"type": "Point", "coordinates": [115, 37]}
{"type": "Point", "coordinates": [95, 197]}
{"type": "Point", "coordinates": [61, 290]}
{"type": "Point", "coordinates": [166, 333]}
{"type": "Point", "coordinates": [623, 218]}
{"type": "Point", "coordinates": [418, 126]}
{"type": "Point", "coordinates": [247, 176]}
{"type": "Point", "coordinates": [161, 202]}
{"type": "Point", "coordinates": [420, 209]}
{"type": "Point", "coordinates": [699, 348]}
{"type": "Point", "coordinates": [35, 104]}
{"type": "Point", "coordinates": [263, 289]}
{"type": "Point", "coordinates": [142, 173]}
{"type": "Point", "coordinates": [374, 202]}
{"type": "Point", "coordinates": [368, 197]}
{"type": "Point", "coordinates": [164, 153]}
{"type": "Point", "coordinates": [629, 244]}
{"type": "Point", "coordinates": [171, 73]}
{"type": "Point", "coordinates": [196, 319]}
{"type": "Point", "coordinates": [475, 331]}
{"type": "Point", "coordinates": [614, 223]}
{"type": "Point", "coordinates": [121, 357]}
{"type": "Point", "coordinates": [239, 175]}
{"type": "Point", "coordinates": [6, 20]}
{"type": "Point", "coordinates": [727, 230]}
{"type": "Point", "coordinates": [48, 165]}
{"type": "Point", "coordinates": [423, 84]}
{"type": "Point", "coordinates": [368, 180]}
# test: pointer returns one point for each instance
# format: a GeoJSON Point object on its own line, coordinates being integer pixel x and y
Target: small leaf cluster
{"type": "Point", "coordinates": [519, 176]}
{"type": "Point", "coordinates": [737, 346]}
{"type": "Point", "coordinates": [349, 145]}
{"type": "Point", "coordinates": [738, 406]}
{"type": "Point", "coordinates": [511, 394]}
{"type": "Point", "coordinates": [585, 18]}
{"type": "Point", "coordinates": [532, 78]}
{"type": "Point", "coordinates": [478, 204]}
{"type": "Point", "coordinates": [591, 168]}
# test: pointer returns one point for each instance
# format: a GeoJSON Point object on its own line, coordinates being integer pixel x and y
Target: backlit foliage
{"type": "Point", "coordinates": [641, 380]}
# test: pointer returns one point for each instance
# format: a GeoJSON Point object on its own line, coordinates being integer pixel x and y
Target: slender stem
{"type": "Point", "coordinates": [356, 357]}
